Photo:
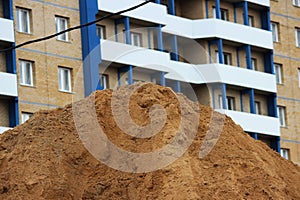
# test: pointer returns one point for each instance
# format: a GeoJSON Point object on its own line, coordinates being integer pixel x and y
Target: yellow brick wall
{"type": "Point", "coordinates": [287, 54]}
{"type": "Point", "coordinates": [48, 55]}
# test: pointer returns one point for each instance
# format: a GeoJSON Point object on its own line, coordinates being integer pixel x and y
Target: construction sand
{"type": "Point", "coordinates": [44, 158]}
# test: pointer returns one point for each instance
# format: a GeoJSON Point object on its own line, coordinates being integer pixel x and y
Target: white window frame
{"type": "Point", "coordinates": [297, 36]}
{"type": "Point", "coordinates": [23, 25]}
{"type": "Point", "coordinates": [285, 153]}
{"type": "Point", "coordinates": [25, 116]}
{"type": "Point", "coordinates": [281, 115]}
{"type": "Point", "coordinates": [250, 20]}
{"type": "Point", "coordinates": [296, 3]}
{"type": "Point", "coordinates": [254, 64]}
{"type": "Point", "coordinates": [226, 58]}
{"type": "Point", "coordinates": [134, 35]}
{"type": "Point", "coordinates": [61, 27]}
{"type": "Point", "coordinates": [278, 73]}
{"type": "Point", "coordinates": [26, 74]}
{"type": "Point", "coordinates": [275, 31]}
{"type": "Point", "coordinates": [223, 12]}
{"type": "Point", "coordinates": [104, 81]}
{"type": "Point", "coordinates": [64, 82]}
{"type": "Point", "coordinates": [101, 31]}
{"type": "Point", "coordinates": [257, 107]}
{"type": "Point", "coordinates": [230, 101]}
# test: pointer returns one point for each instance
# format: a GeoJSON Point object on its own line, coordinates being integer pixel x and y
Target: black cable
{"type": "Point", "coordinates": [75, 27]}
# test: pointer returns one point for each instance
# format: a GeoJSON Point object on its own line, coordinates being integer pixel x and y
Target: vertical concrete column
{"type": "Point", "coordinates": [218, 9]}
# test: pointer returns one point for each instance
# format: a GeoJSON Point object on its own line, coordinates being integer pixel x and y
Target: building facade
{"type": "Point", "coordinates": [239, 57]}
{"type": "Point", "coordinates": [285, 21]}
{"type": "Point", "coordinates": [233, 71]}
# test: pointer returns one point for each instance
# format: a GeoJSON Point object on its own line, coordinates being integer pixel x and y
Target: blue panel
{"type": "Point", "coordinates": [220, 51]}
{"type": "Point", "coordinates": [266, 19]}
{"type": "Point", "coordinates": [162, 79]}
{"type": "Point", "coordinates": [119, 77]}
{"type": "Point", "coordinates": [238, 57]}
{"type": "Point", "coordinates": [206, 9]}
{"type": "Point", "coordinates": [272, 105]}
{"type": "Point", "coordinates": [171, 7]}
{"type": "Point", "coordinates": [224, 98]}
{"type": "Point", "coordinates": [248, 56]}
{"type": "Point", "coordinates": [127, 30]}
{"type": "Point", "coordinates": [241, 100]}
{"type": "Point", "coordinates": [254, 135]}
{"type": "Point", "coordinates": [209, 52]}
{"type": "Point", "coordinates": [130, 75]}
{"type": "Point", "coordinates": [8, 9]}
{"type": "Point", "coordinates": [278, 144]}
{"type": "Point", "coordinates": [116, 32]}
{"type": "Point", "coordinates": [157, 1]}
{"type": "Point", "coordinates": [252, 101]}
{"type": "Point", "coordinates": [174, 48]}
{"type": "Point", "coordinates": [178, 86]}
{"type": "Point", "coordinates": [14, 112]}
{"type": "Point", "coordinates": [268, 62]}
{"type": "Point", "coordinates": [91, 53]}
{"type": "Point", "coordinates": [246, 22]}
{"type": "Point", "coordinates": [149, 38]}
{"type": "Point", "coordinates": [159, 38]}
{"type": "Point", "coordinates": [218, 9]}
{"type": "Point", "coordinates": [234, 13]}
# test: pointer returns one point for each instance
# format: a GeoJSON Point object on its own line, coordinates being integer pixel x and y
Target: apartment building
{"type": "Point", "coordinates": [232, 71]}
{"type": "Point", "coordinates": [285, 20]}
{"type": "Point", "coordinates": [47, 71]}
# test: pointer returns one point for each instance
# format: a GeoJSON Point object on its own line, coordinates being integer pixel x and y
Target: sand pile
{"type": "Point", "coordinates": [46, 159]}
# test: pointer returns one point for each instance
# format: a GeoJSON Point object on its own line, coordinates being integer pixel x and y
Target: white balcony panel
{"type": "Point", "coordinates": [136, 56]}
{"type": "Point", "coordinates": [220, 73]}
{"type": "Point", "coordinates": [150, 12]}
{"type": "Point", "coordinates": [254, 123]}
{"type": "Point", "coordinates": [3, 129]}
{"type": "Point", "coordinates": [260, 2]}
{"type": "Point", "coordinates": [8, 84]}
{"type": "Point", "coordinates": [7, 30]}
{"type": "Point", "coordinates": [209, 28]}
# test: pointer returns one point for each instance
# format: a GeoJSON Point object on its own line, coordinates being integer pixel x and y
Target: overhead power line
{"type": "Point", "coordinates": [75, 27]}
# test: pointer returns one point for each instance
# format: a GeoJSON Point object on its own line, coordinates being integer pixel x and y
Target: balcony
{"type": "Point", "coordinates": [132, 55]}
{"type": "Point", "coordinates": [8, 84]}
{"type": "Point", "coordinates": [254, 123]}
{"type": "Point", "coordinates": [145, 12]}
{"type": "Point", "coordinates": [260, 2]}
{"type": "Point", "coordinates": [7, 31]}
{"type": "Point", "coordinates": [211, 28]}
{"type": "Point", "coordinates": [3, 129]}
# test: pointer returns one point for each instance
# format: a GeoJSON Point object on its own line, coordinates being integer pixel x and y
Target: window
{"type": "Point", "coordinates": [254, 64]}
{"type": "Point", "coordinates": [257, 107]}
{"type": "Point", "coordinates": [226, 57]}
{"type": "Point", "coordinates": [25, 116]}
{"type": "Point", "coordinates": [275, 32]}
{"type": "Point", "coordinates": [61, 25]}
{"type": "Point", "coordinates": [230, 101]}
{"type": "Point", "coordinates": [64, 79]}
{"type": "Point", "coordinates": [296, 3]}
{"type": "Point", "coordinates": [297, 35]}
{"type": "Point", "coordinates": [101, 31]}
{"type": "Point", "coordinates": [23, 20]}
{"type": "Point", "coordinates": [250, 21]}
{"type": "Point", "coordinates": [285, 153]}
{"type": "Point", "coordinates": [136, 39]}
{"type": "Point", "coordinates": [224, 14]}
{"type": "Point", "coordinates": [282, 115]}
{"type": "Point", "coordinates": [104, 81]}
{"type": "Point", "coordinates": [26, 77]}
{"type": "Point", "coordinates": [278, 73]}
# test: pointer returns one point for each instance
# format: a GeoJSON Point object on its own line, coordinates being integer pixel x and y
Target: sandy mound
{"type": "Point", "coordinates": [46, 159]}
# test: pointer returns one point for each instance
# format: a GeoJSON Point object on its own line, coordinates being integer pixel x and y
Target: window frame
{"type": "Point", "coordinates": [285, 153]}
{"type": "Point", "coordinates": [257, 107]}
{"type": "Point", "coordinates": [279, 76]}
{"type": "Point", "coordinates": [275, 35]}
{"type": "Point", "coordinates": [25, 116]}
{"type": "Point", "coordinates": [65, 36]}
{"type": "Point", "coordinates": [230, 101]}
{"type": "Point", "coordinates": [296, 3]}
{"type": "Point", "coordinates": [132, 34]}
{"type": "Point", "coordinates": [20, 25]}
{"type": "Point", "coordinates": [297, 36]}
{"type": "Point", "coordinates": [281, 110]}
{"type": "Point", "coordinates": [61, 79]}
{"type": "Point", "coordinates": [250, 20]}
{"type": "Point", "coordinates": [101, 31]}
{"type": "Point", "coordinates": [226, 57]}
{"type": "Point", "coordinates": [254, 64]}
{"type": "Point", "coordinates": [23, 72]}
{"type": "Point", "coordinates": [222, 12]}
{"type": "Point", "coordinates": [104, 81]}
